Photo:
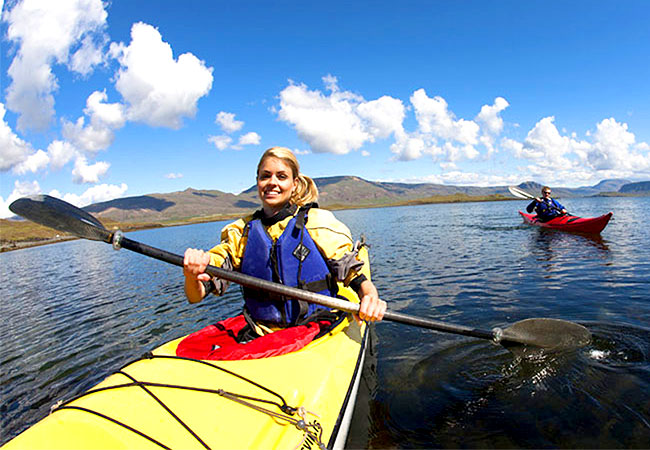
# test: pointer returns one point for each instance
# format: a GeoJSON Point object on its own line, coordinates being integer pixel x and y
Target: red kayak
{"type": "Point", "coordinates": [568, 222]}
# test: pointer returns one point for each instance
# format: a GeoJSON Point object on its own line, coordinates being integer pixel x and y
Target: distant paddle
{"type": "Point", "coordinates": [547, 334]}
{"type": "Point", "coordinates": [519, 193]}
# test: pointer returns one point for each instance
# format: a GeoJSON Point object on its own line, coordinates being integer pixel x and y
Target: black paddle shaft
{"type": "Point", "coordinates": [119, 240]}
{"type": "Point", "coordinates": [62, 216]}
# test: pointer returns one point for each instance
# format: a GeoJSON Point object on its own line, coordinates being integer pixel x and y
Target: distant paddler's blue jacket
{"type": "Point", "coordinates": [547, 209]}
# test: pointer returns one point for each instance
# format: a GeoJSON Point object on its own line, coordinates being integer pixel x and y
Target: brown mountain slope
{"type": "Point", "coordinates": [335, 192]}
{"type": "Point", "coordinates": [174, 206]}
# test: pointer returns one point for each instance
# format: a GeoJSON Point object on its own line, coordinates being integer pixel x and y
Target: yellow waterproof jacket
{"type": "Point", "coordinates": [332, 237]}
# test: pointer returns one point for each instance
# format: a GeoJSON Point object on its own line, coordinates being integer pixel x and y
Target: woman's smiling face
{"type": "Point", "coordinates": [275, 184]}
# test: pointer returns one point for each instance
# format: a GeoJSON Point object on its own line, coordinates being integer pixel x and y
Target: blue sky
{"type": "Point", "coordinates": [122, 98]}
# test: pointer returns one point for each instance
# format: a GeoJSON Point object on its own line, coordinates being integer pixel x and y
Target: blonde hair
{"type": "Point", "coordinates": [306, 190]}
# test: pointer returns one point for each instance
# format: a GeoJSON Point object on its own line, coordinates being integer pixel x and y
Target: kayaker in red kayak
{"type": "Point", "coordinates": [546, 207]}
{"type": "Point", "coordinates": [289, 240]}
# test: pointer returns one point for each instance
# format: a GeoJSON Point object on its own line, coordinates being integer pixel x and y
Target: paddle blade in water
{"type": "Point", "coordinates": [551, 334]}
{"type": "Point", "coordinates": [54, 213]}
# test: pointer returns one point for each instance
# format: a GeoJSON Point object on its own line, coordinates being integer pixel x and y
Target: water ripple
{"type": "Point", "coordinates": [76, 311]}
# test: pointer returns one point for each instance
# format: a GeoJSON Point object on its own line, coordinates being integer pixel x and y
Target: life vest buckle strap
{"type": "Point", "coordinates": [304, 309]}
{"type": "Point", "coordinates": [301, 217]}
{"type": "Point", "coordinates": [314, 286]}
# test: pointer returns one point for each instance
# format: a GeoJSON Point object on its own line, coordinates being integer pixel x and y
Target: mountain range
{"type": "Point", "coordinates": [335, 193]}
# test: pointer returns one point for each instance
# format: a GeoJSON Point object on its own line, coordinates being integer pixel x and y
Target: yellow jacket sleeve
{"type": "Point", "coordinates": [232, 244]}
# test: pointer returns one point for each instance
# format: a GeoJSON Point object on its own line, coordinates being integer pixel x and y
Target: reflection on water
{"type": "Point", "coordinates": [76, 311]}
{"type": "Point", "coordinates": [547, 238]}
{"type": "Point", "coordinates": [547, 245]}
{"type": "Point", "coordinates": [474, 395]}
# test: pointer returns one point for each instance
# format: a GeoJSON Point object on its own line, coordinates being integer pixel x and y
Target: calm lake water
{"type": "Point", "coordinates": [74, 312]}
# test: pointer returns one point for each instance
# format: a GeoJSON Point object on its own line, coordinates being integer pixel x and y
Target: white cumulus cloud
{"type": "Point", "coordinates": [491, 123]}
{"type": "Point", "coordinates": [434, 118]}
{"type": "Point", "coordinates": [383, 116]}
{"type": "Point", "coordinates": [60, 153]}
{"type": "Point", "coordinates": [221, 142]}
{"type": "Point", "coordinates": [408, 147]}
{"type": "Point", "coordinates": [99, 134]}
{"type": "Point", "coordinates": [13, 150]}
{"type": "Point", "coordinates": [46, 32]}
{"type": "Point", "coordinates": [609, 152]}
{"type": "Point", "coordinates": [613, 148]}
{"type": "Point", "coordinates": [547, 147]}
{"type": "Point", "coordinates": [34, 162]}
{"type": "Point", "coordinates": [341, 121]}
{"type": "Point", "coordinates": [251, 138]}
{"type": "Point", "coordinates": [89, 55]}
{"type": "Point", "coordinates": [489, 116]}
{"type": "Point", "coordinates": [227, 122]}
{"type": "Point", "coordinates": [21, 189]}
{"type": "Point", "coordinates": [445, 138]}
{"type": "Point", "coordinates": [158, 89]}
{"type": "Point", "coordinates": [88, 173]}
{"type": "Point", "coordinates": [95, 194]}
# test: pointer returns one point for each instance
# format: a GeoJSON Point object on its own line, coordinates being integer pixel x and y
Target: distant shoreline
{"type": "Point", "coordinates": [11, 245]}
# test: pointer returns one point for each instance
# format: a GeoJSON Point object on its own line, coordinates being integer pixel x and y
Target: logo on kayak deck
{"type": "Point", "coordinates": [312, 439]}
{"type": "Point", "coordinates": [301, 252]}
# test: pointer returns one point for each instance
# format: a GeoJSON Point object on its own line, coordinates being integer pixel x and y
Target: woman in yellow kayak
{"type": "Point", "coordinates": [290, 241]}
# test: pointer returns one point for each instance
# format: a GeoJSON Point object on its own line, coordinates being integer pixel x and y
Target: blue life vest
{"type": "Point", "coordinates": [293, 260]}
{"type": "Point", "coordinates": [548, 209]}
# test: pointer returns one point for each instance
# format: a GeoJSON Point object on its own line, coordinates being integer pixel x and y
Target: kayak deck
{"type": "Point", "coordinates": [171, 402]}
{"type": "Point", "coordinates": [571, 223]}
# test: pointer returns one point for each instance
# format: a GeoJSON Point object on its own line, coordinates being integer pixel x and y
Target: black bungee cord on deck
{"type": "Point", "coordinates": [312, 431]}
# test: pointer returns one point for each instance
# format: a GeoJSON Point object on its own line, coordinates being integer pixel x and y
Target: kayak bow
{"type": "Point", "coordinates": [303, 399]}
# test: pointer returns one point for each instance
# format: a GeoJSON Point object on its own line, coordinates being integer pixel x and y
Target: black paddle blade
{"type": "Point", "coordinates": [549, 334]}
{"type": "Point", "coordinates": [60, 215]}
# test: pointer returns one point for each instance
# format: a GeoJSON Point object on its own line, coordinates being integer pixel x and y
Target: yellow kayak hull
{"type": "Point", "coordinates": [149, 408]}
